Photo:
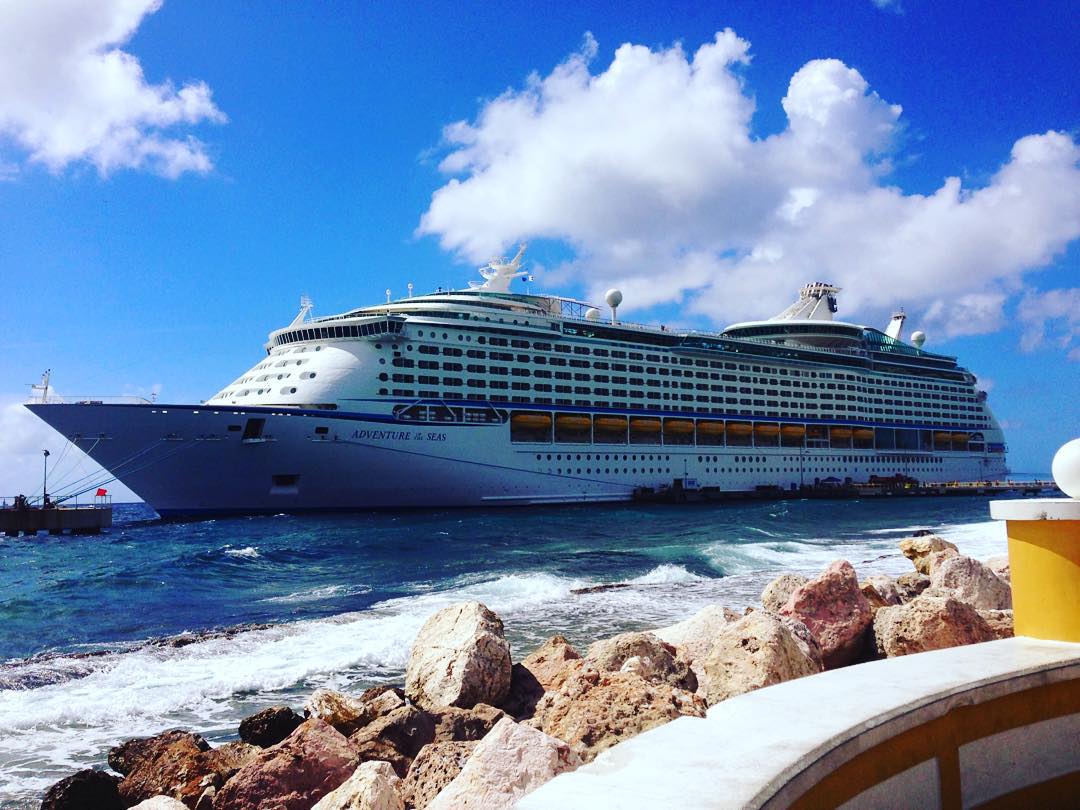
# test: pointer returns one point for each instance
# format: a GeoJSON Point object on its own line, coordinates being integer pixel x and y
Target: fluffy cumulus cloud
{"type": "Point", "coordinates": [649, 170]}
{"type": "Point", "coordinates": [69, 93]}
{"type": "Point", "coordinates": [1053, 317]}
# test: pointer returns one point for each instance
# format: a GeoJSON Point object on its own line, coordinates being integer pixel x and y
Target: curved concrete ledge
{"type": "Point", "coordinates": [986, 723]}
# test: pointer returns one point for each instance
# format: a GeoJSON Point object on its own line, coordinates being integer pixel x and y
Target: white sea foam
{"type": "Point", "coordinates": [250, 552]}
{"type": "Point", "coordinates": [317, 594]}
{"type": "Point", "coordinates": [666, 574]}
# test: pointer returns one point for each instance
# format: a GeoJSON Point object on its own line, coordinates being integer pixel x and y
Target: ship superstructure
{"type": "Point", "coordinates": [484, 396]}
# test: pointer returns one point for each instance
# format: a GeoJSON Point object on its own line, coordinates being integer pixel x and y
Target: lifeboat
{"type": "Point", "coordinates": [864, 434]}
{"type": "Point", "coordinates": [710, 428]}
{"type": "Point", "coordinates": [840, 433]}
{"type": "Point", "coordinates": [645, 425]}
{"type": "Point", "coordinates": [961, 438]}
{"type": "Point", "coordinates": [572, 421]}
{"type": "Point", "coordinates": [767, 430]}
{"type": "Point", "coordinates": [678, 426]}
{"type": "Point", "coordinates": [793, 430]}
{"type": "Point", "coordinates": [943, 437]}
{"type": "Point", "coordinates": [739, 428]}
{"type": "Point", "coordinates": [531, 420]}
{"type": "Point", "coordinates": [610, 422]}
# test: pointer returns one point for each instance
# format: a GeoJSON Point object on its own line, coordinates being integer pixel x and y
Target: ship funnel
{"type": "Point", "coordinates": [895, 329]}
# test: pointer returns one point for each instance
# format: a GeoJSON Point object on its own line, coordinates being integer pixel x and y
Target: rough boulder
{"type": "Point", "coordinates": [693, 638]}
{"type": "Point", "coordinates": [973, 582]}
{"type": "Point", "coordinates": [373, 786]}
{"type": "Point", "coordinates": [758, 650]}
{"type": "Point", "coordinates": [512, 761]}
{"type": "Point", "coordinates": [928, 622]}
{"type": "Point", "coordinates": [836, 612]}
{"type": "Point", "coordinates": [459, 658]}
{"type": "Point", "coordinates": [435, 767]}
{"type": "Point", "coordinates": [657, 660]}
{"type": "Point", "coordinates": [920, 549]}
{"type": "Point", "coordinates": [594, 710]}
{"type": "Point", "coordinates": [84, 790]}
{"type": "Point", "coordinates": [777, 592]}
{"type": "Point", "coordinates": [294, 774]}
{"type": "Point", "coordinates": [270, 726]}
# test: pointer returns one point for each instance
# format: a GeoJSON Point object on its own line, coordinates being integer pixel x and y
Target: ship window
{"type": "Point", "coordinates": [322, 430]}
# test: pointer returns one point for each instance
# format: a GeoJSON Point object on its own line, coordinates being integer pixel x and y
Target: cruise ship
{"type": "Point", "coordinates": [484, 396]}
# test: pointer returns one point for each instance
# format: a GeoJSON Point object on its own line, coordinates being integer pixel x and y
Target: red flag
{"type": "Point", "coordinates": [101, 492]}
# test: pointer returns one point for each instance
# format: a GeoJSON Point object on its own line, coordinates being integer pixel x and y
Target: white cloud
{"type": "Point", "coordinates": [650, 172]}
{"type": "Point", "coordinates": [889, 5]}
{"type": "Point", "coordinates": [68, 93]}
{"type": "Point", "coordinates": [1052, 316]}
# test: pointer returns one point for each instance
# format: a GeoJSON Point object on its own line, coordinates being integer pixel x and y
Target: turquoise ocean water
{"type": "Point", "coordinates": [159, 625]}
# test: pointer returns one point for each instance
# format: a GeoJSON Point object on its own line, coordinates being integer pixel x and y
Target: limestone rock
{"type": "Point", "coordinates": [460, 725]}
{"type": "Point", "coordinates": [880, 591]}
{"type": "Point", "coordinates": [84, 790]}
{"type": "Point", "coordinates": [396, 738]}
{"type": "Point", "coordinates": [544, 668]}
{"type": "Point", "coordinates": [294, 774]}
{"type": "Point", "coordinates": [373, 692]}
{"type": "Point", "coordinates": [805, 639]}
{"type": "Point", "coordinates": [919, 549]}
{"type": "Point", "coordinates": [836, 612]}
{"type": "Point", "coordinates": [459, 658]}
{"type": "Point", "coordinates": [694, 637]}
{"type": "Point", "coordinates": [594, 710]}
{"type": "Point", "coordinates": [344, 712]}
{"type": "Point", "coordinates": [178, 765]}
{"type": "Point", "coordinates": [1000, 566]}
{"type": "Point", "coordinates": [512, 761]}
{"type": "Point", "coordinates": [373, 786]}
{"type": "Point", "coordinates": [550, 662]}
{"type": "Point", "coordinates": [973, 582]}
{"type": "Point", "coordinates": [928, 622]}
{"type": "Point", "coordinates": [160, 803]}
{"type": "Point", "coordinates": [658, 663]}
{"type": "Point", "coordinates": [758, 650]}
{"type": "Point", "coordinates": [911, 585]}
{"type": "Point", "coordinates": [435, 767]}
{"type": "Point", "coordinates": [777, 592]}
{"type": "Point", "coordinates": [270, 726]}
{"type": "Point", "coordinates": [1000, 621]}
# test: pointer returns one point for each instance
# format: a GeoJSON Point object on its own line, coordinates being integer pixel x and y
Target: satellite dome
{"type": "Point", "coordinates": [613, 297]}
{"type": "Point", "coordinates": [592, 314]}
{"type": "Point", "coordinates": [918, 339]}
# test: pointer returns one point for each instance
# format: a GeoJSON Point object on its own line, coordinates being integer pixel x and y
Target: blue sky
{"type": "Point", "coordinates": [135, 259]}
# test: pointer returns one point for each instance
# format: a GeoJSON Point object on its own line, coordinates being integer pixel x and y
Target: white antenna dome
{"type": "Point", "coordinates": [592, 314]}
{"type": "Point", "coordinates": [918, 339]}
{"type": "Point", "coordinates": [613, 298]}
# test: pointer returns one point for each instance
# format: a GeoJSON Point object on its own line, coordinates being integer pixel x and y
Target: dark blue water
{"type": "Point", "coordinates": [336, 600]}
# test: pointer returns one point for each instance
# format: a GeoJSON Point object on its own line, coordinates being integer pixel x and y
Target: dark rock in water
{"type": "Point", "coordinates": [85, 790]}
{"type": "Point", "coordinates": [176, 764]}
{"type": "Point", "coordinates": [525, 693]}
{"type": "Point", "coordinates": [373, 692]}
{"type": "Point", "coordinates": [612, 586]}
{"type": "Point", "coordinates": [270, 726]}
{"type": "Point", "coordinates": [462, 725]}
{"type": "Point", "coordinates": [127, 756]}
{"type": "Point", "coordinates": [921, 533]}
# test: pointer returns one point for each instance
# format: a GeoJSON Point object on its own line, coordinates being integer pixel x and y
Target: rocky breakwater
{"type": "Point", "coordinates": [472, 729]}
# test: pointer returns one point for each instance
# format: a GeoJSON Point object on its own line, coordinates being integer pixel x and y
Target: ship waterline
{"type": "Point", "coordinates": [484, 397]}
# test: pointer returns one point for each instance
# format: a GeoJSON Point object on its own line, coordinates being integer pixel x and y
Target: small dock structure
{"type": "Point", "coordinates": [17, 516]}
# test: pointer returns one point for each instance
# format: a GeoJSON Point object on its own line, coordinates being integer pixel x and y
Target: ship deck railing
{"type": "Point", "coordinates": [91, 399]}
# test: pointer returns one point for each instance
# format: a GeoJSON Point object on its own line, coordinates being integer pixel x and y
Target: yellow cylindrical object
{"type": "Point", "coordinates": [1044, 565]}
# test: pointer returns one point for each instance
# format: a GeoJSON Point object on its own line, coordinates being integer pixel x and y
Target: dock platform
{"type": "Point", "coordinates": [85, 519]}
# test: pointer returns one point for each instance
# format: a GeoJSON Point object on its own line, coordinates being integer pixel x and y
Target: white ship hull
{"type": "Point", "coordinates": [192, 460]}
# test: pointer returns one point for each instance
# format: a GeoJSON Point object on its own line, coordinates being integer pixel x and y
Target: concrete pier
{"type": "Point", "coordinates": [56, 520]}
